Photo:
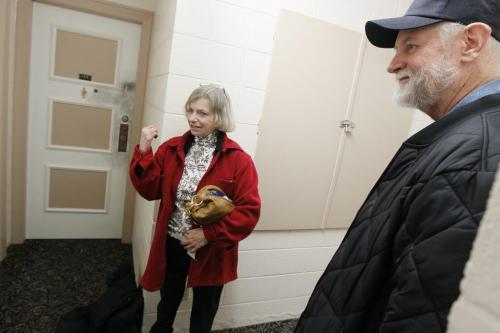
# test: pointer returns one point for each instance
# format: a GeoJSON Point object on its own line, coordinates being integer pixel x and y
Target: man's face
{"type": "Point", "coordinates": [423, 68]}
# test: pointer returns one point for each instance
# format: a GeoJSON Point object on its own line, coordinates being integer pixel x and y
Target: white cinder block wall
{"type": "Point", "coordinates": [478, 307]}
{"type": "Point", "coordinates": [230, 42]}
{"type": "Point", "coordinates": [145, 211]}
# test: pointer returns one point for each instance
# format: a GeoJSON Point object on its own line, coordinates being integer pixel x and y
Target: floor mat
{"type": "Point", "coordinates": [42, 279]}
{"type": "Point", "coordinates": [285, 326]}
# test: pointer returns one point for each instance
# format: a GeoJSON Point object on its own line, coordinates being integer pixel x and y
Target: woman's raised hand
{"type": "Point", "coordinates": [148, 133]}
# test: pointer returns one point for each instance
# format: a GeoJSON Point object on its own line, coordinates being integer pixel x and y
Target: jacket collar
{"type": "Point", "coordinates": [437, 129]}
{"type": "Point", "coordinates": [185, 141]}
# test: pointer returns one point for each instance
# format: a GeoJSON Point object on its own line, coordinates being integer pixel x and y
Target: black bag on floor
{"type": "Point", "coordinates": [119, 310]}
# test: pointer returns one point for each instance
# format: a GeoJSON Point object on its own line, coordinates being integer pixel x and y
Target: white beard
{"type": "Point", "coordinates": [425, 86]}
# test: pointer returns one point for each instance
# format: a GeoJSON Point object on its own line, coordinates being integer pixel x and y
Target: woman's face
{"type": "Point", "coordinates": [201, 118]}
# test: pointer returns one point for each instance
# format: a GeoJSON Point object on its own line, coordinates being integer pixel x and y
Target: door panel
{"type": "Point", "coordinates": [79, 126]}
{"type": "Point", "coordinates": [79, 54]}
{"type": "Point", "coordinates": [77, 190]}
{"type": "Point", "coordinates": [83, 70]}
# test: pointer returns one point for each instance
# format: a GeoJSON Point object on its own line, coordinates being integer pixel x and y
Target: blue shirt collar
{"type": "Point", "coordinates": [489, 88]}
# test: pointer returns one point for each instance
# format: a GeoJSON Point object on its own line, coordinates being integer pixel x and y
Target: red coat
{"type": "Point", "coordinates": [233, 171]}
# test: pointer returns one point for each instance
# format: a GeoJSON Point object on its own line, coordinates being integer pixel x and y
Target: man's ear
{"type": "Point", "coordinates": [475, 37]}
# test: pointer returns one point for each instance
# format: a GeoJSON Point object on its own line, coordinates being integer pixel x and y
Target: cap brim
{"type": "Point", "coordinates": [383, 33]}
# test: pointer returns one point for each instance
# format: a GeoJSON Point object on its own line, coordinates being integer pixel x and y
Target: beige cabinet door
{"type": "Point", "coordinates": [82, 75]}
{"type": "Point", "coordinates": [380, 128]}
{"type": "Point", "coordinates": [307, 96]}
{"type": "Point", "coordinates": [313, 173]}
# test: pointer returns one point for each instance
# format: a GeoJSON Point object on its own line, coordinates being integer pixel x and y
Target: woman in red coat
{"type": "Point", "coordinates": [206, 256]}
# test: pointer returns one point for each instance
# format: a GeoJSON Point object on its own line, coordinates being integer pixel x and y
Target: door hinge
{"type": "Point", "coordinates": [347, 125]}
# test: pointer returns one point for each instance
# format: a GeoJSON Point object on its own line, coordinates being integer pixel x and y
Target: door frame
{"type": "Point", "coordinates": [21, 99]}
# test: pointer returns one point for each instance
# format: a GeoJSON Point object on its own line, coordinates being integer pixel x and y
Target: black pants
{"type": "Point", "coordinates": [205, 299]}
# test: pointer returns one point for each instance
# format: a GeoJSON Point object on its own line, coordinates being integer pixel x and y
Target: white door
{"type": "Point", "coordinates": [82, 81]}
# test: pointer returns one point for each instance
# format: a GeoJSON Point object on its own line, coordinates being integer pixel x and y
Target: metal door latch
{"type": "Point", "coordinates": [347, 125]}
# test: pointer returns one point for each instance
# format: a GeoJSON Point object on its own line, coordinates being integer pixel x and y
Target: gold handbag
{"type": "Point", "coordinates": [209, 205]}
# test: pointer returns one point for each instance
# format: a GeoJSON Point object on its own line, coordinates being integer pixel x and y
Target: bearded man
{"type": "Point", "coordinates": [399, 266]}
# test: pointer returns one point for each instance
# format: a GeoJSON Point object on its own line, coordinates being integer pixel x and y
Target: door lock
{"type": "Point", "coordinates": [123, 138]}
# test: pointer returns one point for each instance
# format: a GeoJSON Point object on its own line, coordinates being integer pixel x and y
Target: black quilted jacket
{"type": "Point", "coordinates": [399, 266]}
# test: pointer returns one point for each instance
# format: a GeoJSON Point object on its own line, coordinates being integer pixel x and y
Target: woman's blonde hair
{"type": "Point", "coordinates": [219, 102]}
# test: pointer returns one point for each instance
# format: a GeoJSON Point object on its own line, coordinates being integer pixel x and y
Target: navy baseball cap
{"type": "Point", "coordinates": [383, 33]}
